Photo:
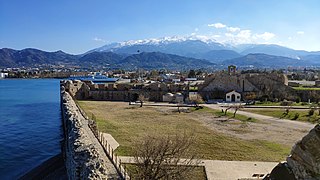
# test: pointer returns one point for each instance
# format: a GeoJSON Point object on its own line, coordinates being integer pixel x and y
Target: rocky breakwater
{"type": "Point", "coordinates": [84, 156]}
{"type": "Point", "coordinates": [304, 161]}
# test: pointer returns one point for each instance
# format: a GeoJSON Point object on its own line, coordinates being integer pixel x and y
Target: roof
{"type": "Point", "coordinates": [232, 91]}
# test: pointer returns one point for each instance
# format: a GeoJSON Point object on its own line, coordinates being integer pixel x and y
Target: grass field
{"type": "Point", "coordinates": [300, 88]}
{"type": "Point", "coordinates": [299, 115]}
{"type": "Point", "coordinates": [129, 124]}
{"type": "Point", "coordinates": [269, 103]}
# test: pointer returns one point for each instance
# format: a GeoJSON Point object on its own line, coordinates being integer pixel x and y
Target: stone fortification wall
{"type": "Point", "coordinates": [84, 156]}
{"type": "Point", "coordinates": [120, 92]}
{"type": "Point", "coordinates": [304, 161]}
{"type": "Point", "coordinates": [272, 85]}
{"type": "Point", "coordinates": [226, 82]}
{"type": "Point", "coordinates": [305, 156]}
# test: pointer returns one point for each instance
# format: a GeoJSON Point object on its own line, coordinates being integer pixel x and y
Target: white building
{"type": "Point", "coordinates": [3, 75]}
{"type": "Point", "coordinates": [167, 97]}
{"type": "Point", "coordinates": [174, 98]}
{"type": "Point", "coordinates": [233, 96]}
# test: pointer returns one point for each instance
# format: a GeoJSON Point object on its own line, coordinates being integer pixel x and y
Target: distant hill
{"type": "Point", "coordinates": [272, 49]}
{"type": "Point", "coordinates": [266, 61]}
{"type": "Point", "coordinates": [218, 56]}
{"type": "Point", "coordinates": [156, 60]}
{"type": "Point", "coordinates": [146, 60]}
{"type": "Point", "coordinates": [201, 48]}
{"type": "Point", "coordinates": [32, 57]}
{"type": "Point", "coordinates": [100, 59]}
{"type": "Point", "coordinates": [168, 52]}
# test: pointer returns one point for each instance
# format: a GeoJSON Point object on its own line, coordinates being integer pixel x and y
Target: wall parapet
{"type": "Point", "coordinates": [84, 156]}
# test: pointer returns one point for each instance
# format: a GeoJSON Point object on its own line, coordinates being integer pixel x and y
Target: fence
{"type": "Point", "coordinates": [104, 143]}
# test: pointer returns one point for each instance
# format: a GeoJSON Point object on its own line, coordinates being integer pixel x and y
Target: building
{"type": "Point", "coordinates": [233, 96]}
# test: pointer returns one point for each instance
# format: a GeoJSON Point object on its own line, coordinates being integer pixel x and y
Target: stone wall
{"type": "Point", "coordinates": [304, 161]}
{"type": "Point", "coordinates": [272, 85]}
{"type": "Point", "coordinates": [84, 156]}
{"type": "Point", "coordinates": [305, 156]}
{"type": "Point", "coordinates": [120, 92]}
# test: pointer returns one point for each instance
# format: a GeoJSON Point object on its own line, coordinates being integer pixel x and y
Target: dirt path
{"type": "Point", "coordinates": [268, 128]}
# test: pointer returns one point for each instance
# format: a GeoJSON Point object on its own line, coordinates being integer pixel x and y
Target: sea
{"type": "Point", "coordinates": [30, 124]}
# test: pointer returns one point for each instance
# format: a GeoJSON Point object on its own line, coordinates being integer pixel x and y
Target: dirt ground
{"type": "Point", "coordinates": [277, 130]}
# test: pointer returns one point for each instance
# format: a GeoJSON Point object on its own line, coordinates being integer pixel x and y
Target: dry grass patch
{"type": "Point", "coordinates": [128, 124]}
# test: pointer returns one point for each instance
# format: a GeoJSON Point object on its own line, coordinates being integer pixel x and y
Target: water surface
{"type": "Point", "coordinates": [30, 124]}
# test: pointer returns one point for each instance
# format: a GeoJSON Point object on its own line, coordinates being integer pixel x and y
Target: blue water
{"type": "Point", "coordinates": [30, 124]}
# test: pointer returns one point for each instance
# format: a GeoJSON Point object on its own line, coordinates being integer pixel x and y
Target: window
{"type": "Point", "coordinates": [238, 97]}
{"type": "Point", "coordinates": [228, 97]}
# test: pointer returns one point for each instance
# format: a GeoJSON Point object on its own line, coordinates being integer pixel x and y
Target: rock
{"type": "Point", "coordinates": [304, 161]}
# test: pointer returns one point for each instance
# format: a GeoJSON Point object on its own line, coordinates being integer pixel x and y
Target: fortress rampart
{"type": "Point", "coordinates": [83, 154]}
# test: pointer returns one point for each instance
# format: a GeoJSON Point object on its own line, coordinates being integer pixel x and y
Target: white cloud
{"type": "Point", "coordinates": [233, 29]}
{"type": "Point", "coordinates": [216, 36]}
{"type": "Point", "coordinates": [98, 39]}
{"type": "Point", "coordinates": [246, 34]}
{"type": "Point", "coordinates": [300, 32]}
{"type": "Point", "coordinates": [217, 25]}
{"type": "Point", "coordinates": [229, 35]}
{"type": "Point", "coordinates": [196, 29]}
{"type": "Point", "coordinates": [265, 36]}
{"type": "Point", "coordinates": [236, 35]}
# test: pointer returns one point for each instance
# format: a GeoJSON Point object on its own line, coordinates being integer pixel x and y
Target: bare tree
{"type": "Point", "coordinates": [196, 100]}
{"type": "Point", "coordinates": [236, 107]}
{"type": "Point", "coordinates": [141, 99]}
{"type": "Point", "coordinates": [164, 157]}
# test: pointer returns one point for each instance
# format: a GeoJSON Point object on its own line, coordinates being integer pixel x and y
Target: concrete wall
{"type": "Point", "coordinates": [84, 156]}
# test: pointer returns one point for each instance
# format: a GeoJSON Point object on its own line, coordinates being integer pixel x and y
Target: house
{"type": "Point", "coordinates": [167, 97]}
{"type": "Point", "coordinates": [233, 96]}
{"type": "Point", "coordinates": [173, 98]}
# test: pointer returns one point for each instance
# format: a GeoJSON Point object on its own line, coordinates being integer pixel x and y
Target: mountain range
{"type": "Point", "coordinates": [169, 53]}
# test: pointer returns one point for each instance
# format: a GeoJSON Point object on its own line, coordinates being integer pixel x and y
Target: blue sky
{"type": "Point", "coordinates": [76, 26]}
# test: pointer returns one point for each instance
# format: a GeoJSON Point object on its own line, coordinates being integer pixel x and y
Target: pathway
{"type": "Point", "coordinates": [227, 170]}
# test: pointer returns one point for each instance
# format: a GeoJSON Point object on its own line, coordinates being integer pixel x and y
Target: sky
{"type": "Point", "coordinates": [76, 26]}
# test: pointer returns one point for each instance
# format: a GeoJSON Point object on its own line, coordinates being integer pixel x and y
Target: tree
{"type": "Point", "coordinates": [164, 157]}
{"type": "Point", "coordinates": [142, 98]}
{"type": "Point", "coordinates": [196, 100]}
{"type": "Point", "coordinates": [236, 107]}
{"type": "Point", "coordinates": [191, 74]}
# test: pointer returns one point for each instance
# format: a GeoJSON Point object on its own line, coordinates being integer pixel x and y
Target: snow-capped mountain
{"type": "Point", "coordinates": [160, 42]}
{"type": "Point", "coordinates": [192, 46]}
{"type": "Point", "coordinates": [202, 47]}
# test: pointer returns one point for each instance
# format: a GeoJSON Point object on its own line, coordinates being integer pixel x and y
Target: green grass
{"type": "Point", "coordinates": [269, 103]}
{"type": "Point", "coordinates": [280, 113]}
{"type": "Point", "coordinates": [301, 88]}
{"type": "Point", "coordinates": [129, 124]}
{"type": "Point", "coordinates": [197, 173]}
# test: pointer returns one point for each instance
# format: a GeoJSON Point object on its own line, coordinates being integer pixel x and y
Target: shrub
{"type": "Point", "coordinates": [286, 103]}
{"type": "Point", "coordinates": [296, 116]}
{"type": "Point", "coordinates": [311, 112]}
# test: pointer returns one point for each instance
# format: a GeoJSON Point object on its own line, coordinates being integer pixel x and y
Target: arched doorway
{"type": "Point", "coordinates": [233, 97]}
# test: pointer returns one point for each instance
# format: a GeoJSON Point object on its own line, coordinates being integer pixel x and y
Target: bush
{"type": "Point", "coordinates": [304, 103]}
{"type": "Point", "coordinates": [311, 112]}
{"type": "Point", "coordinates": [286, 103]}
{"type": "Point", "coordinates": [296, 116]}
